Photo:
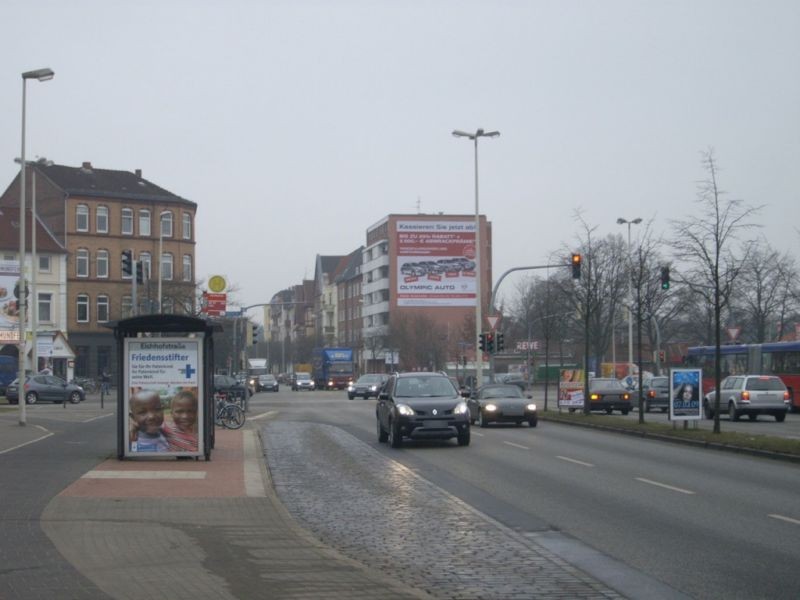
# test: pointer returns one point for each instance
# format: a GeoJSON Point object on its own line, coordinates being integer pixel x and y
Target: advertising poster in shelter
{"type": "Point", "coordinates": [436, 263]}
{"type": "Point", "coordinates": [9, 319]}
{"type": "Point", "coordinates": [570, 388]}
{"type": "Point", "coordinates": [163, 385]}
{"type": "Point", "coordinates": [684, 394]}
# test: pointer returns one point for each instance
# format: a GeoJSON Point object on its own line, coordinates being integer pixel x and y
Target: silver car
{"type": "Point", "coordinates": [45, 387]}
{"type": "Point", "coordinates": [750, 395]}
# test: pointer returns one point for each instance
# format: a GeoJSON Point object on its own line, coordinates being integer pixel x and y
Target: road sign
{"type": "Point", "coordinates": [493, 321]}
{"type": "Point", "coordinates": [734, 332]}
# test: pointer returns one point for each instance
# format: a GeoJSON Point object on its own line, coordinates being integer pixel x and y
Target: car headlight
{"type": "Point", "coordinates": [405, 410]}
{"type": "Point", "coordinates": [461, 408]}
{"type": "Point", "coordinates": [330, 383]}
{"type": "Point", "coordinates": [373, 388]}
{"type": "Point", "coordinates": [531, 407]}
{"type": "Point", "coordinates": [490, 407]}
{"type": "Point", "coordinates": [350, 388]}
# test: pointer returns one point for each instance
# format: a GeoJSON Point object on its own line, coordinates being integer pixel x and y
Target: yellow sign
{"type": "Point", "coordinates": [217, 284]}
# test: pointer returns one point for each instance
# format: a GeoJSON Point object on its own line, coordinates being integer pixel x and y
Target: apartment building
{"type": "Point", "coordinates": [96, 214]}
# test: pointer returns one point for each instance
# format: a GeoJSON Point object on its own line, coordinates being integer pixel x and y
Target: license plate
{"type": "Point", "coordinates": [432, 424]}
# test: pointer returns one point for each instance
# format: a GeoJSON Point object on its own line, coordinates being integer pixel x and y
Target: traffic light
{"type": "Point", "coordinates": [482, 342]}
{"type": "Point", "coordinates": [139, 272]}
{"type": "Point", "coordinates": [664, 278]}
{"type": "Point", "coordinates": [127, 263]}
{"type": "Point", "coordinates": [576, 266]}
{"type": "Point", "coordinates": [499, 342]}
{"type": "Point", "coordinates": [490, 347]}
{"type": "Point", "coordinates": [253, 333]}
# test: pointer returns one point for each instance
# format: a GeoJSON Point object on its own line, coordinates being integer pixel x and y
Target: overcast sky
{"type": "Point", "coordinates": [295, 125]}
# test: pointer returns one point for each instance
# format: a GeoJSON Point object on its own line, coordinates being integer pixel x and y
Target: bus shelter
{"type": "Point", "coordinates": [165, 391]}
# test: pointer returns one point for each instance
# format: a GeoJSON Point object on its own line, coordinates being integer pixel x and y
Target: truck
{"type": "Point", "coordinates": [332, 368]}
{"type": "Point", "coordinates": [255, 367]}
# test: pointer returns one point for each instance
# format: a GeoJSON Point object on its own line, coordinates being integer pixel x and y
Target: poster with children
{"type": "Point", "coordinates": [163, 383]}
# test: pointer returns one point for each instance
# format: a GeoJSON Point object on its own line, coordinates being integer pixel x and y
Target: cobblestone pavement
{"type": "Point", "coordinates": [383, 515]}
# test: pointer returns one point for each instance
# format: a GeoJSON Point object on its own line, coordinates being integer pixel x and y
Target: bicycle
{"type": "Point", "coordinates": [227, 413]}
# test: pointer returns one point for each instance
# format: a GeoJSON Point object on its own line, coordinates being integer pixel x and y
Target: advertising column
{"type": "Point", "coordinates": [163, 381]}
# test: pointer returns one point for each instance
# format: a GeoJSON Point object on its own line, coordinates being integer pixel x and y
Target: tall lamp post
{"type": "Point", "coordinates": [41, 75]}
{"type": "Point", "coordinates": [478, 317]}
{"type": "Point", "coordinates": [635, 221]}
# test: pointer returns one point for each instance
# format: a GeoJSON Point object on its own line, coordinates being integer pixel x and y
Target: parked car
{"type": "Point", "coordinates": [608, 395]}
{"type": "Point", "coordinates": [366, 386]}
{"type": "Point", "coordinates": [267, 383]}
{"type": "Point", "coordinates": [657, 394]}
{"type": "Point", "coordinates": [49, 388]}
{"type": "Point", "coordinates": [502, 403]}
{"type": "Point", "coordinates": [750, 395]}
{"type": "Point", "coordinates": [302, 381]}
{"type": "Point", "coordinates": [512, 379]}
{"type": "Point", "coordinates": [421, 405]}
{"type": "Point", "coordinates": [231, 386]}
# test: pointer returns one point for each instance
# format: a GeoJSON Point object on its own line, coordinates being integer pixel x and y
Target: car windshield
{"type": "Point", "coordinates": [501, 391]}
{"type": "Point", "coordinates": [659, 382]}
{"type": "Point", "coordinates": [763, 384]}
{"type": "Point", "coordinates": [369, 379]}
{"type": "Point", "coordinates": [425, 387]}
{"type": "Point", "coordinates": [303, 377]}
{"type": "Point", "coordinates": [607, 384]}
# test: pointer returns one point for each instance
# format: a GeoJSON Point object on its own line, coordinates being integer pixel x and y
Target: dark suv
{"type": "Point", "coordinates": [421, 405]}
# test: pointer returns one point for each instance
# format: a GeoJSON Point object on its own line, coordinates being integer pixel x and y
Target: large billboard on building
{"type": "Point", "coordinates": [435, 263]}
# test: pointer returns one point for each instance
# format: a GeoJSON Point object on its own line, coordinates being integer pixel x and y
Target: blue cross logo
{"type": "Point", "coordinates": [189, 371]}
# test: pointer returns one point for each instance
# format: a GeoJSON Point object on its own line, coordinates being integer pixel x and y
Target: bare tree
{"type": "Point", "coordinates": [704, 244]}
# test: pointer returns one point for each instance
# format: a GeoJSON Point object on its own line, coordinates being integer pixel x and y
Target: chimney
{"type": "Point", "coordinates": [86, 166]}
{"type": "Point", "coordinates": [138, 173]}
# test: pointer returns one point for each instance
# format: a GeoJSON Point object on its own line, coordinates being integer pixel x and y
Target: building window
{"type": "Point", "coordinates": [82, 262]}
{"type": "Point", "coordinates": [82, 361]}
{"type": "Point", "coordinates": [104, 359]}
{"type": "Point", "coordinates": [166, 224]}
{"type": "Point", "coordinates": [166, 267]}
{"type": "Point", "coordinates": [147, 263]}
{"type": "Point", "coordinates": [44, 264]}
{"type": "Point", "coordinates": [144, 223]}
{"type": "Point", "coordinates": [102, 309]}
{"type": "Point", "coordinates": [126, 307]}
{"type": "Point", "coordinates": [187, 267]}
{"type": "Point", "coordinates": [188, 308]}
{"type": "Point", "coordinates": [121, 266]}
{"type": "Point", "coordinates": [82, 218]}
{"type": "Point", "coordinates": [83, 308]}
{"type": "Point", "coordinates": [102, 264]}
{"type": "Point", "coordinates": [101, 218]}
{"type": "Point", "coordinates": [45, 308]}
{"type": "Point", "coordinates": [127, 221]}
{"type": "Point", "coordinates": [168, 306]}
{"type": "Point", "coordinates": [187, 226]}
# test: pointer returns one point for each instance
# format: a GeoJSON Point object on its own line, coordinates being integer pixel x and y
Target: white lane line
{"type": "Point", "coordinates": [787, 519]}
{"type": "Point", "coordinates": [18, 446]}
{"type": "Point", "coordinates": [95, 418]}
{"type": "Point", "coordinates": [478, 434]}
{"type": "Point", "coordinates": [577, 462]}
{"type": "Point", "coordinates": [265, 415]}
{"type": "Point", "coordinates": [665, 486]}
{"type": "Point", "coordinates": [97, 474]}
{"type": "Point", "coordinates": [516, 445]}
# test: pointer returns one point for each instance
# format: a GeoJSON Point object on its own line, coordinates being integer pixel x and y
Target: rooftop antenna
{"type": "Point", "coordinates": [419, 205]}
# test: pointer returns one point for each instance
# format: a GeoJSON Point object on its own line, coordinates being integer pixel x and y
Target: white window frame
{"type": "Point", "coordinates": [45, 303]}
{"type": "Point", "coordinates": [45, 264]}
{"type": "Point", "coordinates": [165, 221]}
{"type": "Point", "coordinates": [103, 309]}
{"type": "Point", "coordinates": [187, 226]}
{"type": "Point", "coordinates": [101, 219]}
{"type": "Point", "coordinates": [101, 264]}
{"type": "Point", "coordinates": [144, 222]}
{"type": "Point", "coordinates": [82, 301]}
{"type": "Point", "coordinates": [82, 262]}
{"type": "Point", "coordinates": [166, 267]}
{"type": "Point", "coordinates": [147, 264]}
{"type": "Point", "coordinates": [82, 218]}
{"type": "Point", "coordinates": [126, 306]}
{"type": "Point", "coordinates": [127, 219]}
{"type": "Point", "coordinates": [187, 267]}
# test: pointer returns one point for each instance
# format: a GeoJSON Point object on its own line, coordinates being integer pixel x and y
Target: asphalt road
{"type": "Point", "coordinates": [707, 523]}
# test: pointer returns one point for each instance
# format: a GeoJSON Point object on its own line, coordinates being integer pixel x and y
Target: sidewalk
{"type": "Point", "coordinates": [194, 529]}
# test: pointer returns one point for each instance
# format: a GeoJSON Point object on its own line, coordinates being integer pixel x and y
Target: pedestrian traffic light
{"type": "Point", "coordinates": [127, 263]}
{"type": "Point", "coordinates": [664, 278]}
{"type": "Point", "coordinates": [490, 347]}
{"type": "Point", "coordinates": [482, 342]}
{"type": "Point", "coordinates": [576, 266]}
{"type": "Point", "coordinates": [139, 272]}
{"type": "Point", "coordinates": [499, 342]}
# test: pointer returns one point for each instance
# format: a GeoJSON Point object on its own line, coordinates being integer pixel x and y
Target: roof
{"type": "Point", "coordinates": [106, 183]}
{"type": "Point", "coordinates": [352, 262]}
{"type": "Point", "coordinates": [9, 233]}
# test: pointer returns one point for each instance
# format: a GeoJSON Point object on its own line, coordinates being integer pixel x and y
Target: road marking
{"type": "Point", "coordinates": [265, 415]}
{"type": "Point", "coordinates": [478, 434]}
{"type": "Point", "coordinates": [29, 442]}
{"type": "Point", "coordinates": [787, 519]}
{"type": "Point", "coordinates": [253, 481]}
{"type": "Point", "coordinates": [95, 418]}
{"type": "Point", "coordinates": [665, 486]}
{"type": "Point", "coordinates": [577, 462]}
{"type": "Point", "coordinates": [102, 474]}
{"type": "Point", "coordinates": [516, 445]}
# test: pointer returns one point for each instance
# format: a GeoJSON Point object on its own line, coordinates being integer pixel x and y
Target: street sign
{"type": "Point", "coordinates": [493, 321]}
{"type": "Point", "coordinates": [734, 332]}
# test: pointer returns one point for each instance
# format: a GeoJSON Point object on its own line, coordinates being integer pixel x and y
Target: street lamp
{"type": "Point", "coordinates": [635, 221]}
{"type": "Point", "coordinates": [478, 317]}
{"type": "Point", "coordinates": [41, 75]}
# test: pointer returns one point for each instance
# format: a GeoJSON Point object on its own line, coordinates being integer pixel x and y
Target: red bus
{"type": "Point", "coordinates": [774, 358]}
